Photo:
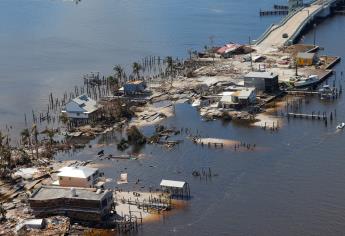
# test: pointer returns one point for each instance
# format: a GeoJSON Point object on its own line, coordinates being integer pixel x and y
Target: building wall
{"type": "Point", "coordinates": [77, 115]}
{"type": "Point", "coordinates": [75, 182]}
{"type": "Point", "coordinates": [78, 209]}
{"type": "Point", "coordinates": [304, 61]}
{"type": "Point", "coordinates": [258, 83]}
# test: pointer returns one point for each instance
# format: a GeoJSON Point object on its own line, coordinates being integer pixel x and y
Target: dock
{"type": "Point", "coordinates": [273, 12]}
{"type": "Point", "coordinates": [313, 116]}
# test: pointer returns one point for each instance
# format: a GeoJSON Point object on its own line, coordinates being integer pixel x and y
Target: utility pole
{"type": "Point", "coordinates": [314, 34]}
{"type": "Point", "coordinates": [251, 59]}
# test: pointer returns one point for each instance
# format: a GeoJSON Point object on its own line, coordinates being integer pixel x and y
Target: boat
{"type": "Point", "coordinates": [326, 92]}
{"type": "Point", "coordinates": [341, 126]}
{"type": "Point", "coordinates": [311, 80]}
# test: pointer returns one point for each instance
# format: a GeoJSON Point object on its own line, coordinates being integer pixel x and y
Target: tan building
{"type": "Point", "coordinates": [83, 177]}
{"type": "Point", "coordinates": [305, 58]}
{"type": "Point", "coordinates": [77, 203]}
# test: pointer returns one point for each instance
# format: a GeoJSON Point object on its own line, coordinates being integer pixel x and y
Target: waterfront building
{"type": "Point", "coordinates": [134, 87]}
{"type": "Point", "coordinates": [77, 203]}
{"type": "Point", "coordinates": [81, 176]}
{"type": "Point", "coordinates": [262, 81]}
{"type": "Point", "coordinates": [81, 108]}
{"type": "Point", "coordinates": [178, 189]}
{"type": "Point", "coordinates": [238, 99]}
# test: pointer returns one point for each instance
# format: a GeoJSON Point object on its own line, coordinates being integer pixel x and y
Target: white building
{"type": "Point", "coordinates": [237, 99]}
{"type": "Point", "coordinates": [83, 177]}
{"type": "Point", "coordinates": [82, 107]}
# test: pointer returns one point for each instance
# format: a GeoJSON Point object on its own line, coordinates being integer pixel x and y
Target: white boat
{"type": "Point", "coordinates": [341, 126]}
{"type": "Point", "coordinates": [196, 103]}
{"type": "Point", "coordinates": [311, 80]}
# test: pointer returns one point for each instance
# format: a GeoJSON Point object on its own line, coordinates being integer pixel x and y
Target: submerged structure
{"type": "Point", "coordinates": [177, 189]}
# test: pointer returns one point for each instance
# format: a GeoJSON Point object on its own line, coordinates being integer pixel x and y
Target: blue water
{"type": "Point", "coordinates": [292, 185]}
{"type": "Point", "coordinates": [46, 46]}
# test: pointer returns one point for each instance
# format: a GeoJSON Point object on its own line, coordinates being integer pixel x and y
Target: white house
{"type": "Point", "coordinates": [81, 176]}
{"type": "Point", "coordinates": [82, 107]}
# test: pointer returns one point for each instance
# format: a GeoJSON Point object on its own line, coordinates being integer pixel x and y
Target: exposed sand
{"type": "Point", "coordinates": [151, 115]}
{"type": "Point", "coordinates": [123, 208]}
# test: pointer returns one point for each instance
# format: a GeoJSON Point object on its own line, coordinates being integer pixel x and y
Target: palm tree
{"type": "Point", "coordinates": [34, 132]}
{"type": "Point", "coordinates": [118, 72]}
{"type": "Point", "coordinates": [50, 133]}
{"type": "Point", "coordinates": [25, 135]}
{"type": "Point", "coordinates": [64, 119]}
{"type": "Point", "coordinates": [136, 67]}
{"type": "Point", "coordinates": [2, 137]}
{"type": "Point", "coordinates": [170, 64]}
{"type": "Point", "coordinates": [190, 52]}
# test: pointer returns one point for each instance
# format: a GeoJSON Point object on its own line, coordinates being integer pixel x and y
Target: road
{"type": "Point", "coordinates": [275, 39]}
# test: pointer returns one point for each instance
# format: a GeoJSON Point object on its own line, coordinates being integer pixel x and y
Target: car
{"type": "Point", "coordinates": [285, 35]}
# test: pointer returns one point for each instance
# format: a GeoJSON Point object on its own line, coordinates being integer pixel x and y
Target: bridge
{"type": "Point", "coordinates": [292, 26]}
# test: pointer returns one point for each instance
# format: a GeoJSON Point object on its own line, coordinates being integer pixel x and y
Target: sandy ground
{"type": "Point", "coordinates": [268, 120]}
{"type": "Point", "coordinates": [125, 208]}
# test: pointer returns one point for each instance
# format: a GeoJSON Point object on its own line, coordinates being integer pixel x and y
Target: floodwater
{"type": "Point", "coordinates": [292, 186]}
{"type": "Point", "coordinates": [48, 45]}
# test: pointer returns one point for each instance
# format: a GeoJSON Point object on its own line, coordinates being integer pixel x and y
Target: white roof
{"type": "Point", "coordinates": [76, 172]}
{"type": "Point", "coordinates": [87, 104]}
{"type": "Point", "coordinates": [262, 75]}
{"type": "Point", "coordinates": [172, 183]}
{"type": "Point", "coordinates": [226, 93]}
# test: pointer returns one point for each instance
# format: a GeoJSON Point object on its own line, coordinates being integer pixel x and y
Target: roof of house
{"type": "Point", "coordinates": [76, 172]}
{"type": "Point", "coordinates": [172, 183]}
{"type": "Point", "coordinates": [228, 48]}
{"type": "Point", "coordinates": [84, 103]}
{"type": "Point", "coordinates": [244, 93]}
{"type": "Point", "coordinates": [306, 55]}
{"type": "Point", "coordinates": [262, 75]}
{"type": "Point", "coordinates": [53, 192]}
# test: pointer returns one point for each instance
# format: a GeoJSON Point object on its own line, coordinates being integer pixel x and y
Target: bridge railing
{"type": "Point", "coordinates": [271, 29]}
{"type": "Point", "coordinates": [281, 23]}
{"type": "Point", "coordinates": [293, 37]}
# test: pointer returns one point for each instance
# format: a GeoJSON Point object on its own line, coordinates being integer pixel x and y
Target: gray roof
{"type": "Point", "coordinates": [53, 192]}
{"type": "Point", "coordinates": [306, 55]}
{"type": "Point", "coordinates": [262, 75]}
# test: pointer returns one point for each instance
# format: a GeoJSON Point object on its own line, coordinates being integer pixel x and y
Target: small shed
{"type": "Point", "coordinates": [305, 58]}
{"type": "Point", "coordinates": [179, 189]}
